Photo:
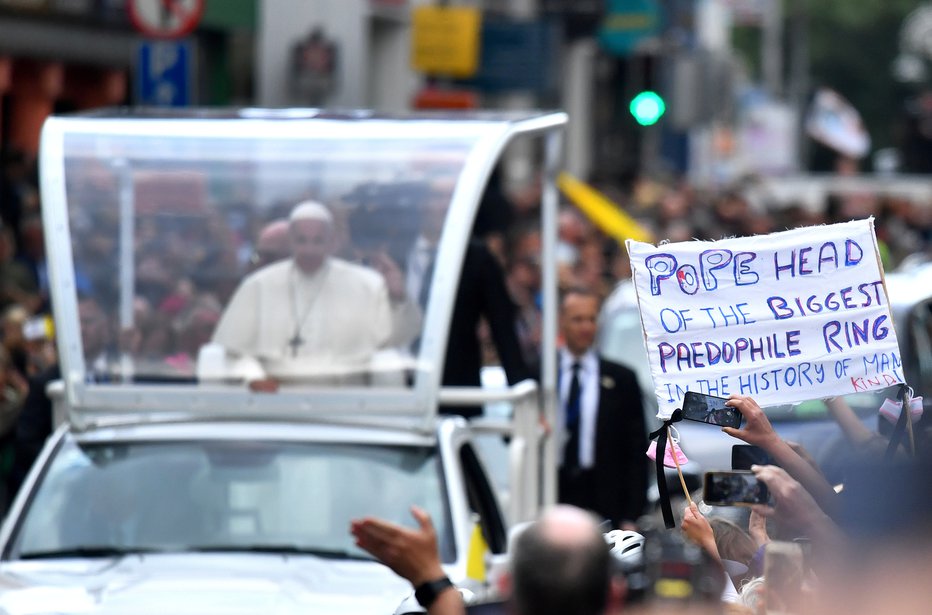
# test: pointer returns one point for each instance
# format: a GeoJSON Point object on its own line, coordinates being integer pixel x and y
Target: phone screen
{"type": "Point", "coordinates": [709, 409]}
{"type": "Point", "coordinates": [743, 456]}
{"type": "Point", "coordinates": [733, 489]}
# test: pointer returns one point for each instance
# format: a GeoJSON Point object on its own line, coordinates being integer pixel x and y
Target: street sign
{"type": "Point", "coordinates": [164, 73]}
{"type": "Point", "coordinates": [627, 24]}
{"type": "Point", "coordinates": [165, 18]}
{"type": "Point", "coordinates": [445, 40]}
{"type": "Point", "coordinates": [517, 56]}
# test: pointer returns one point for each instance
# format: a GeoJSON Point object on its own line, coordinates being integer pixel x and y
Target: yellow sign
{"type": "Point", "coordinates": [445, 40]}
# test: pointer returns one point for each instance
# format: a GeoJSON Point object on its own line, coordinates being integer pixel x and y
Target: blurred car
{"type": "Point", "coordinates": [234, 517]}
{"type": "Point", "coordinates": [809, 423]}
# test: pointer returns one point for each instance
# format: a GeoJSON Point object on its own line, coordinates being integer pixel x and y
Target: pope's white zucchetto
{"type": "Point", "coordinates": [311, 210]}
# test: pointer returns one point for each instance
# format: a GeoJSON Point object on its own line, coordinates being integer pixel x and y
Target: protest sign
{"type": "Point", "coordinates": [785, 317]}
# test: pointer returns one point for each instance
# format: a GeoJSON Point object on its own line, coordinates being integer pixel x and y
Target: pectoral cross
{"type": "Point", "coordinates": [295, 341]}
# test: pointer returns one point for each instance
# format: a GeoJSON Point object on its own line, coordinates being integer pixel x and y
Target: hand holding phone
{"type": "Point", "coordinates": [733, 489]}
{"type": "Point", "coordinates": [796, 506]}
{"type": "Point", "coordinates": [710, 409]}
{"type": "Point", "coordinates": [757, 430]}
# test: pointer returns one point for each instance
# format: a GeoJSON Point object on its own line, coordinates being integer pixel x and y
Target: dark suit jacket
{"type": "Point", "coordinates": [33, 426]}
{"type": "Point", "coordinates": [620, 445]}
{"type": "Point", "coordinates": [621, 463]}
{"type": "Point", "coordinates": [481, 293]}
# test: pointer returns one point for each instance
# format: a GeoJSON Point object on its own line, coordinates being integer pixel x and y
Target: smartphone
{"type": "Point", "coordinates": [784, 573]}
{"type": "Point", "coordinates": [733, 489]}
{"type": "Point", "coordinates": [709, 409]}
{"type": "Point", "coordinates": [743, 456]}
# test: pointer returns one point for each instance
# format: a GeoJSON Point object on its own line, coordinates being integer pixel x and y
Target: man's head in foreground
{"type": "Point", "coordinates": [560, 565]}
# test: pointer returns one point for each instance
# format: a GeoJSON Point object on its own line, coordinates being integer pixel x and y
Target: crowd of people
{"type": "Point", "coordinates": [814, 548]}
{"type": "Point", "coordinates": [187, 279]}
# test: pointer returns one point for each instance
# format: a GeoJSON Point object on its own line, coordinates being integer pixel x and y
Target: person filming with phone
{"type": "Point", "coordinates": [601, 418]}
{"type": "Point", "coordinates": [759, 432]}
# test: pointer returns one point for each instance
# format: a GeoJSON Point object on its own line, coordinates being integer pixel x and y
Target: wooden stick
{"type": "Point", "coordinates": [676, 462]}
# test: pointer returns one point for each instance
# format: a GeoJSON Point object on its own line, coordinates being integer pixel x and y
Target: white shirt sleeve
{"type": "Point", "coordinates": [730, 593]}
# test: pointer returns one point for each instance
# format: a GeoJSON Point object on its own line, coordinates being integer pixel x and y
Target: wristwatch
{"type": "Point", "coordinates": [426, 593]}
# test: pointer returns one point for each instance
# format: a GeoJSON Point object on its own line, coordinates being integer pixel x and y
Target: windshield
{"type": "Point", "coordinates": [303, 259]}
{"type": "Point", "coordinates": [238, 496]}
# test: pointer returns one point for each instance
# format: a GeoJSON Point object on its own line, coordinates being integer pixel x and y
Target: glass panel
{"type": "Point", "coordinates": [303, 260]}
{"type": "Point", "coordinates": [227, 496]}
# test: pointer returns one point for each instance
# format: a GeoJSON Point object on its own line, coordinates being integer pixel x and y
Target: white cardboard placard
{"type": "Point", "coordinates": [785, 317]}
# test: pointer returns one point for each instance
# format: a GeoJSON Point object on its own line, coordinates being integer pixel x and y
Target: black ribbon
{"type": "Point", "coordinates": [900, 429]}
{"type": "Point", "coordinates": [661, 435]}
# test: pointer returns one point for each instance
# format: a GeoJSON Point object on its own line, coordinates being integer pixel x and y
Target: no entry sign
{"type": "Point", "coordinates": [165, 18]}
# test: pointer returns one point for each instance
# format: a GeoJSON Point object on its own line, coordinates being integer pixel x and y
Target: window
{"type": "Point", "coordinates": [226, 495]}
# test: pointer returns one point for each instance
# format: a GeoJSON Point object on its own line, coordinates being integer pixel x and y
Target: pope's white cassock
{"type": "Point", "coordinates": [319, 328]}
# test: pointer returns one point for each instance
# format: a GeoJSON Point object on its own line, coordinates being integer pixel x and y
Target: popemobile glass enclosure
{"type": "Point", "coordinates": [194, 252]}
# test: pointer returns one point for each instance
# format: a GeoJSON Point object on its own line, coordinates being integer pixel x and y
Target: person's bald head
{"type": "Point", "coordinates": [310, 233]}
{"type": "Point", "coordinates": [569, 526]}
{"type": "Point", "coordinates": [561, 564]}
{"type": "Point", "coordinates": [271, 243]}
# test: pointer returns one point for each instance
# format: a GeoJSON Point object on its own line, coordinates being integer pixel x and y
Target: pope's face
{"type": "Point", "coordinates": [310, 243]}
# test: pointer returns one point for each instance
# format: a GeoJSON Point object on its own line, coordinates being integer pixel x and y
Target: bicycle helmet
{"type": "Point", "coordinates": [627, 545]}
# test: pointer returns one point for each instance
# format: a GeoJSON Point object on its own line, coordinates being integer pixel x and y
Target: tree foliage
{"type": "Point", "coordinates": [852, 45]}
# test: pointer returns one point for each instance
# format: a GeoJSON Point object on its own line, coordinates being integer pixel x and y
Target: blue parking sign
{"type": "Point", "coordinates": [163, 73]}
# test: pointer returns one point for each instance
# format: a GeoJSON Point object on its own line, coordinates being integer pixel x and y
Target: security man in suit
{"type": "Point", "coordinates": [603, 436]}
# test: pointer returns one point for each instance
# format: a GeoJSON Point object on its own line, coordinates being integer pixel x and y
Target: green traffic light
{"type": "Point", "coordinates": [647, 107]}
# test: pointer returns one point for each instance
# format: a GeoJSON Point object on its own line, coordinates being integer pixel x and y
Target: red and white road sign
{"type": "Point", "coordinates": [165, 18]}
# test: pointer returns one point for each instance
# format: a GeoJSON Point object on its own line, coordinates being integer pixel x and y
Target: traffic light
{"type": "Point", "coordinates": [647, 107]}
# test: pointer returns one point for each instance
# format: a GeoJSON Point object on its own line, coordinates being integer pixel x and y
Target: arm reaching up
{"type": "Point", "coordinates": [795, 507]}
{"type": "Point", "coordinates": [411, 554]}
{"type": "Point", "coordinates": [759, 431]}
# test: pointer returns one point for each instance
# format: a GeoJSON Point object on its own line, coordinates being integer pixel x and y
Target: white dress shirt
{"type": "Point", "coordinates": [588, 401]}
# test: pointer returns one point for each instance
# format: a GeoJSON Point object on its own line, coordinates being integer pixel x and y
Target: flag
{"type": "Point", "coordinates": [605, 214]}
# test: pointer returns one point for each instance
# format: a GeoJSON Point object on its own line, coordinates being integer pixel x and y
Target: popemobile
{"type": "Point", "coordinates": [249, 361]}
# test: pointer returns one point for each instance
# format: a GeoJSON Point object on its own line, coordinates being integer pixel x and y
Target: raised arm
{"type": "Point", "coordinates": [795, 507]}
{"type": "Point", "coordinates": [413, 555]}
{"type": "Point", "coordinates": [759, 432]}
{"type": "Point", "coordinates": [855, 431]}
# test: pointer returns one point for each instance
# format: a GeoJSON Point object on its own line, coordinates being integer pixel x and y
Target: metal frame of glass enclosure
{"type": "Point", "coordinates": [97, 137]}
